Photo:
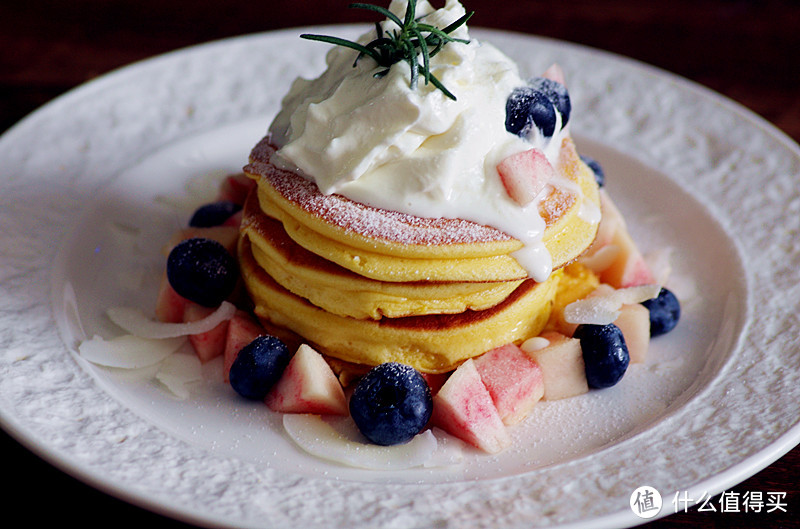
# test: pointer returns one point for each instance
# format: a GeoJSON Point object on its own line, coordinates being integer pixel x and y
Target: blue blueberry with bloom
{"type": "Point", "coordinates": [258, 366]}
{"type": "Point", "coordinates": [605, 354]}
{"type": "Point", "coordinates": [665, 311]}
{"type": "Point", "coordinates": [213, 214]}
{"type": "Point", "coordinates": [391, 404]}
{"type": "Point", "coordinates": [202, 270]}
{"type": "Point", "coordinates": [537, 105]}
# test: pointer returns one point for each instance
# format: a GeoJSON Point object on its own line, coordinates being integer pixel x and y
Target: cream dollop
{"type": "Point", "coordinates": [382, 143]}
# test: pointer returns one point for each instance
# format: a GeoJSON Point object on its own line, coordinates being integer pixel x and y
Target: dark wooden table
{"type": "Point", "coordinates": [748, 50]}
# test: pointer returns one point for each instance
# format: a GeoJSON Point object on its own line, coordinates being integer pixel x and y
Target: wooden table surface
{"type": "Point", "coordinates": [748, 50]}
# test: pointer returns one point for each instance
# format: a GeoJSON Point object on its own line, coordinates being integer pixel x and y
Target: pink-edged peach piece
{"type": "Point", "coordinates": [308, 385]}
{"type": "Point", "coordinates": [525, 174]}
{"type": "Point", "coordinates": [210, 344]}
{"type": "Point", "coordinates": [563, 369]}
{"type": "Point", "coordinates": [463, 407]}
{"type": "Point", "coordinates": [634, 322]}
{"type": "Point", "coordinates": [170, 305]}
{"type": "Point", "coordinates": [610, 222]}
{"type": "Point", "coordinates": [555, 73]}
{"type": "Point", "coordinates": [235, 188]}
{"type": "Point", "coordinates": [243, 328]}
{"type": "Point", "coordinates": [513, 379]}
{"type": "Point", "coordinates": [628, 268]}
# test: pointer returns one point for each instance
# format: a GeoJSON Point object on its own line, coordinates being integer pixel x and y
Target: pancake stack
{"type": "Point", "coordinates": [365, 285]}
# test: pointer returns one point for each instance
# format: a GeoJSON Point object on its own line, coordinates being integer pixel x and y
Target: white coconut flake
{"type": "Point", "coordinates": [449, 450]}
{"type": "Point", "coordinates": [338, 440]}
{"type": "Point", "coordinates": [134, 321]}
{"type": "Point", "coordinates": [604, 308]}
{"type": "Point", "coordinates": [534, 344]}
{"type": "Point", "coordinates": [199, 190]}
{"type": "Point", "coordinates": [128, 351]}
{"type": "Point", "coordinates": [178, 371]}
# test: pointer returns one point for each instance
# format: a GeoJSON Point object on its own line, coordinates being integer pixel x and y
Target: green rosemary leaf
{"type": "Point", "coordinates": [458, 23]}
{"type": "Point", "coordinates": [405, 43]}
{"type": "Point", "coordinates": [339, 42]}
{"type": "Point", "coordinates": [439, 45]}
{"type": "Point", "coordinates": [378, 47]}
{"type": "Point", "coordinates": [411, 12]}
{"type": "Point", "coordinates": [426, 59]}
{"type": "Point", "coordinates": [411, 59]}
{"type": "Point", "coordinates": [436, 32]}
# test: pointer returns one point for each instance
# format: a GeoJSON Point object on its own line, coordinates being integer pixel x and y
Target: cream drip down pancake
{"type": "Point", "coordinates": [367, 285]}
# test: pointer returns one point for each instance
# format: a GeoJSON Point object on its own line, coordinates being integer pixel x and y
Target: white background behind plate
{"type": "Point", "coordinates": [744, 172]}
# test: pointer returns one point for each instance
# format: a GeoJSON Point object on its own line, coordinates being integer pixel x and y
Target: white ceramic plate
{"type": "Point", "coordinates": [96, 181]}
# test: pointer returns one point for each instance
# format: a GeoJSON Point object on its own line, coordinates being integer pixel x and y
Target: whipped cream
{"type": "Point", "coordinates": [382, 143]}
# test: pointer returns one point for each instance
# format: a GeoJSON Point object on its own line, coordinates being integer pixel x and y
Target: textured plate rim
{"type": "Point", "coordinates": [740, 470]}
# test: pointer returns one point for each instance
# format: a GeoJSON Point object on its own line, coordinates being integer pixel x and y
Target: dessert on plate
{"type": "Point", "coordinates": [417, 227]}
{"type": "Point", "coordinates": [398, 223]}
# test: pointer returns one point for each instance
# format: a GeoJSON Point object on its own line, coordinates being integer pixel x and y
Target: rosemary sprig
{"type": "Point", "coordinates": [412, 39]}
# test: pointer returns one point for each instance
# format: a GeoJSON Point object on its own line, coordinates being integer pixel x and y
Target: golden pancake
{"type": "Point", "coordinates": [363, 227]}
{"type": "Point", "coordinates": [367, 285]}
{"type": "Point", "coordinates": [391, 246]}
{"type": "Point", "coordinates": [431, 343]}
{"type": "Point", "coordinates": [390, 268]}
{"type": "Point", "coordinates": [345, 293]}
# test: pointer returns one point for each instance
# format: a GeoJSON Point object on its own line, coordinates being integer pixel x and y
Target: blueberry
{"type": "Point", "coordinates": [258, 366]}
{"type": "Point", "coordinates": [202, 271]}
{"type": "Point", "coordinates": [597, 169]}
{"type": "Point", "coordinates": [665, 311]}
{"type": "Point", "coordinates": [391, 404]}
{"type": "Point", "coordinates": [555, 92]}
{"type": "Point", "coordinates": [213, 214]}
{"type": "Point", "coordinates": [605, 354]}
{"type": "Point", "coordinates": [527, 107]}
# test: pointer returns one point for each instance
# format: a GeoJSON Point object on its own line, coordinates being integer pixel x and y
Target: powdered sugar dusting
{"type": "Point", "coordinates": [374, 223]}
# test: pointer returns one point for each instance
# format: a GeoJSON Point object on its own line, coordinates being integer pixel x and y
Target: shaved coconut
{"type": "Point", "coordinates": [449, 450]}
{"type": "Point", "coordinates": [340, 441]}
{"type": "Point", "coordinates": [534, 344]}
{"type": "Point", "coordinates": [199, 190]}
{"type": "Point", "coordinates": [128, 351]}
{"type": "Point", "coordinates": [178, 371]}
{"type": "Point", "coordinates": [137, 323]}
{"type": "Point", "coordinates": [604, 308]}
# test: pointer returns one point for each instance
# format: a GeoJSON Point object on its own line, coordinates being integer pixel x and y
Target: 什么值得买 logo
{"type": "Point", "coordinates": [646, 502]}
